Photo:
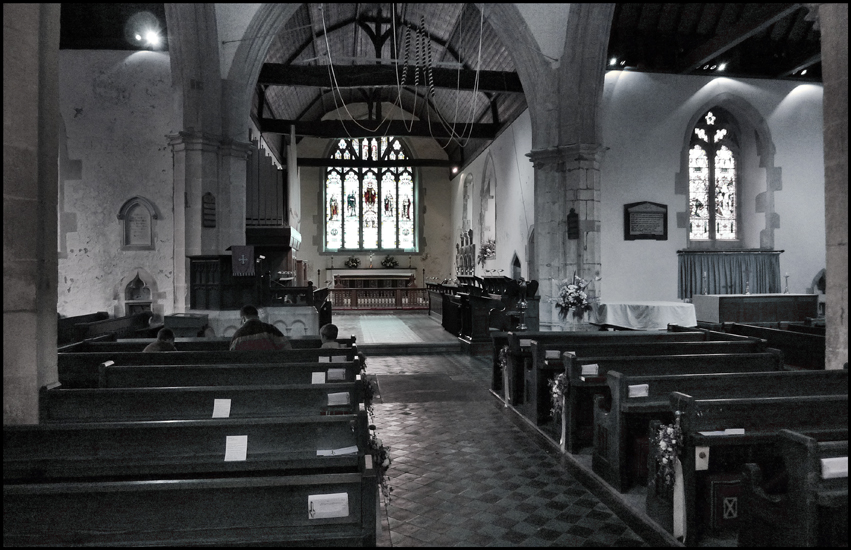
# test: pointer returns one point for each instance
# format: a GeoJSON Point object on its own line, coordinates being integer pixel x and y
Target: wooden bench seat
{"type": "Point", "coordinates": [81, 370]}
{"type": "Point", "coordinates": [259, 374]}
{"type": "Point", "coordinates": [238, 511]}
{"type": "Point", "coordinates": [174, 448]}
{"type": "Point", "coordinates": [198, 403]}
{"type": "Point", "coordinates": [635, 400]}
{"type": "Point", "coordinates": [813, 508]}
{"type": "Point", "coordinates": [708, 430]}
{"type": "Point", "coordinates": [187, 344]}
{"type": "Point", "coordinates": [66, 330]}
{"type": "Point", "coordinates": [587, 377]}
{"type": "Point", "coordinates": [546, 363]}
{"type": "Point", "coordinates": [800, 350]}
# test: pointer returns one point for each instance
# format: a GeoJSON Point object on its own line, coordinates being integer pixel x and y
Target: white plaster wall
{"type": "Point", "coordinates": [644, 124]}
{"type": "Point", "coordinates": [514, 199]}
{"type": "Point", "coordinates": [116, 109]}
{"type": "Point", "coordinates": [231, 22]}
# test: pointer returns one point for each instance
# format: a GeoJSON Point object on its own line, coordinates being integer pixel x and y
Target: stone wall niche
{"type": "Point", "coordinates": [137, 216]}
{"type": "Point", "coordinates": [137, 296]}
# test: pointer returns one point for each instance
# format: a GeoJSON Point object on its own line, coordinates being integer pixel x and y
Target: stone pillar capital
{"type": "Point", "coordinates": [568, 157]}
{"type": "Point", "coordinates": [193, 141]}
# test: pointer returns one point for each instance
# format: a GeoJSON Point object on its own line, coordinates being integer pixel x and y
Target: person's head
{"type": "Point", "coordinates": [248, 312]}
{"type": "Point", "coordinates": [166, 335]}
{"type": "Point", "coordinates": [328, 332]}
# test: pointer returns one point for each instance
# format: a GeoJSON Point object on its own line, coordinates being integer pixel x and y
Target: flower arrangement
{"type": "Point", "coordinates": [558, 387]}
{"type": "Point", "coordinates": [487, 251]}
{"type": "Point", "coordinates": [571, 295]}
{"type": "Point", "coordinates": [389, 262]}
{"type": "Point", "coordinates": [352, 262]}
{"type": "Point", "coordinates": [667, 443]}
{"type": "Point", "coordinates": [381, 459]}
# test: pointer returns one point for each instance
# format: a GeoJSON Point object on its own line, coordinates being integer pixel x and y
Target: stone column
{"type": "Point", "coordinates": [833, 23]}
{"type": "Point", "coordinates": [565, 177]}
{"type": "Point", "coordinates": [30, 198]}
{"type": "Point", "coordinates": [230, 200]}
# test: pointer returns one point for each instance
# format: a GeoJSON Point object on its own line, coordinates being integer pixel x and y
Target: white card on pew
{"type": "Point", "coordinates": [553, 354]}
{"type": "Point", "coordinates": [353, 450]}
{"type": "Point", "coordinates": [590, 370]}
{"type": "Point", "coordinates": [340, 398]}
{"type": "Point", "coordinates": [525, 343]}
{"type": "Point", "coordinates": [728, 431]}
{"type": "Point", "coordinates": [335, 505]}
{"type": "Point", "coordinates": [324, 358]}
{"type": "Point", "coordinates": [108, 363]}
{"type": "Point", "coordinates": [317, 378]}
{"type": "Point", "coordinates": [338, 359]}
{"type": "Point", "coordinates": [639, 390]}
{"type": "Point", "coordinates": [336, 374]}
{"type": "Point", "coordinates": [221, 408]}
{"type": "Point", "coordinates": [236, 447]}
{"type": "Point", "coordinates": [833, 468]}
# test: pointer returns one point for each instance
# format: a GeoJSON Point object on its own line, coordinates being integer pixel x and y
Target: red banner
{"type": "Point", "coordinates": [243, 260]}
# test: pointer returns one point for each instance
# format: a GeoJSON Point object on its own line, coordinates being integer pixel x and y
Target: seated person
{"type": "Point", "coordinates": [254, 334]}
{"type": "Point", "coordinates": [164, 341]}
{"type": "Point", "coordinates": [328, 335]}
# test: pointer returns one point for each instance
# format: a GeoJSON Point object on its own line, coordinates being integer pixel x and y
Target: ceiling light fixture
{"type": "Point", "coordinates": [722, 66]}
{"type": "Point", "coordinates": [803, 72]}
{"type": "Point", "coordinates": [613, 61]}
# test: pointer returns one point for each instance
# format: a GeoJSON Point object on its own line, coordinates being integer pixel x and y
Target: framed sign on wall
{"type": "Point", "coordinates": [645, 220]}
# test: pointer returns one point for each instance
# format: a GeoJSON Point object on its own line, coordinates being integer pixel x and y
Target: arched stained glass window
{"type": "Point", "coordinates": [370, 208]}
{"type": "Point", "coordinates": [713, 178]}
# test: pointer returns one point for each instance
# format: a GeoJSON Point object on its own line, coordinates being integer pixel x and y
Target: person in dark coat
{"type": "Point", "coordinates": [254, 334]}
{"type": "Point", "coordinates": [164, 341]}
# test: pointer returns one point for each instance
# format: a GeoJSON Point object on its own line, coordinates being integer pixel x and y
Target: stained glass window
{"type": "Point", "coordinates": [370, 208]}
{"type": "Point", "coordinates": [713, 178]}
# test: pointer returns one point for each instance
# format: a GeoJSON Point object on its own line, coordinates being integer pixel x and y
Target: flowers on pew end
{"type": "Point", "coordinates": [487, 251]}
{"type": "Point", "coordinates": [381, 460]}
{"type": "Point", "coordinates": [389, 262]}
{"type": "Point", "coordinates": [571, 295]}
{"type": "Point", "coordinates": [502, 358]}
{"type": "Point", "coordinates": [558, 387]}
{"type": "Point", "coordinates": [352, 262]}
{"type": "Point", "coordinates": [667, 443]}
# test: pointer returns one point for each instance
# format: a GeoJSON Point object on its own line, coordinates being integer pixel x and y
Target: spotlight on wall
{"type": "Point", "coordinates": [722, 66]}
{"type": "Point", "coordinates": [143, 30]}
{"type": "Point", "coordinates": [454, 170]}
{"type": "Point", "coordinates": [613, 61]}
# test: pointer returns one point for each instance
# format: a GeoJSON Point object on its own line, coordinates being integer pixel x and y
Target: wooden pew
{"type": "Point", "coordinates": [137, 325]}
{"type": "Point", "coordinates": [58, 405]}
{"type": "Point", "coordinates": [226, 511]}
{"type": "Point", "coordinates": [805, 351]}
{"type": "Point", "coordinates": [587, 377]}
{"type": "Point", "coordinates": [546, 363]}
{"type": "Point", "coordinates": [257, 374]}
{"type": "Point", "coordinates": [186, 344]}
{"type": "Point", "coordinates": [518, 355]}
{"type": "Point", "coordinates": [635, 400]}
{"type": "Point", "coordinates": [761, 420]}
{"type": "Point", "coordinates": [175, 483]}
{"type": "Point", "coordinates": [66, 329]}
{"type": "Point", "coordinates": [812, 510]}
{"type": "Point", "coordinates": [80, 370]}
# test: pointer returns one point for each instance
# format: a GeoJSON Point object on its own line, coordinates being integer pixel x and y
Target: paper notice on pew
{"type": "Point", "coordinates": [639, 390]}
{"type": "Point", "coordinates": [353, 450]}
{"type": "Point", "coordinates": [337, 375]}
{"type": "Point", "coordinates": [553, 354]}
{"type": "Point", "coordinates": [728, 431]}
{"type": "Point", "coordinates": [324, 358]}
{"type": "Point", "coordinates": [833, 468]}
{"type": "Point", "coordinates": [341, 398]}
{"type": "Point", "coordinates": [221, 408]}
{"type": "Point", "coordinates": [236, 448]}
{"type": "Point", "coordinates": [317, 378]}
{"type": "Point", "coordinates": [525, 343]}
{"type": "Point", "coordinates": [338, 359]}
{"type": "Point", "coordinates": [590, 370]}
{"type": "Point", "coordinates": [335, 505]}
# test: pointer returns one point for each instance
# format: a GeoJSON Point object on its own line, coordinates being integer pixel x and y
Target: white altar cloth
{"type": "Point", "coordinates": [647, 315]}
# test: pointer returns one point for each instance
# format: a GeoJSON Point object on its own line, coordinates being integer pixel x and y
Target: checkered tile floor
{"type": "Point", "coordinates": [466, 472]}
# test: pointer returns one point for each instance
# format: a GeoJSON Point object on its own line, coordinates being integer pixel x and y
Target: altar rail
{"type": "Point", "coordinates": [378, 298]}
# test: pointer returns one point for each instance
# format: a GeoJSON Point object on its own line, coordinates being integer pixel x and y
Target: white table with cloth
{"type": "Point", "coordinates": [646, 315]}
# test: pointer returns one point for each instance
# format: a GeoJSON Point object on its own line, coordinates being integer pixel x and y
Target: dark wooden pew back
{"type": "Point", "coordinates": [268, 374]}
{"type": "Point", "coordinates": [80, 370]}
{"type": "Point", "coordinates": [801, 350]}
{"type": "Point", "coordinates": [637, 399]}
{"type": "Point", "coordinates": [66, 326]}
{"type": "Point", "coordinates": [197, 403]}
{"type": "Point", "coordinates": [812, 510]}
{"type": "Point", "coordinates": [188, 344]}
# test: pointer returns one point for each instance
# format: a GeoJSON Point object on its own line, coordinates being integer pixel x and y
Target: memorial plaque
{"type": "Point", "coordinates": [645, 220]}
{"type": "Point", "coordinates": [137, 228]}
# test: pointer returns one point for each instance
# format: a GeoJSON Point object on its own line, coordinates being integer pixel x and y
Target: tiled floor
{"type": "Point", "coordinates": [466, 471]}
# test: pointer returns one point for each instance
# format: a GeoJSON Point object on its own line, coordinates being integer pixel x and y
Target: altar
{"type": "Point", "coordinates": [373, 277]}
{"type": "Point", "coordinates": [646, 315]}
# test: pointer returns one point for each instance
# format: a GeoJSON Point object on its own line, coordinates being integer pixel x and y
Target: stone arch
{"type": "Point", "coordinates": [132, 277]}
{"type": "Point", "coordinates": [749, 120]}
{"type": "Point", "coordinates": [138, 215]}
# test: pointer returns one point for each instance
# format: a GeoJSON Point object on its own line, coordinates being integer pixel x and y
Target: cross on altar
{"type": "Point", "coordinates": [243, 259]}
